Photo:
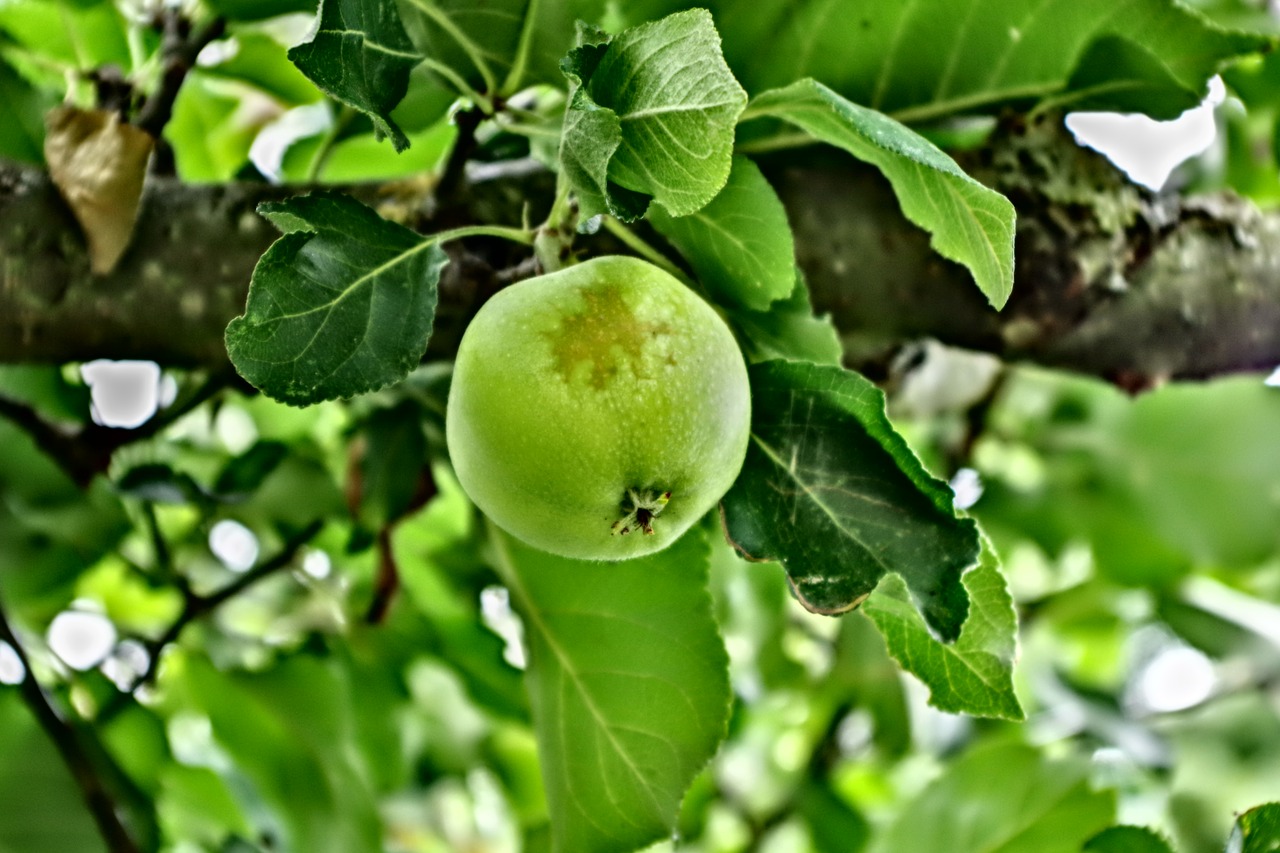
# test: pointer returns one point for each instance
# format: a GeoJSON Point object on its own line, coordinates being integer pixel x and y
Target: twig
{"type": "Point", "coordinates": [454, 173]}
{"type": "Point", "coordinates": [180, 47]}
{"type": "Point", "coordinates": [70, 743]}
{"type": "Point", "coordinates": [196, 606]}
{"type": "Point", "coordinates": [388, 581]}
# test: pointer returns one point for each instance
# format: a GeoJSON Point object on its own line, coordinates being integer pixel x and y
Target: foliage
{"type": "Point", "coordinates": [313, 640]}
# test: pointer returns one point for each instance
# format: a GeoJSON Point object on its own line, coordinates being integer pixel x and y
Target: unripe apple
{"type": "Point", "coordinates": [599, 411]}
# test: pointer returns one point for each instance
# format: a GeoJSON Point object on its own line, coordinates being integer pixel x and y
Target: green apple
{"type": "Point", "coordinates": [598, 411]}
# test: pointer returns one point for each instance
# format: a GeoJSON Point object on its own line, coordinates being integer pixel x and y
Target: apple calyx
{"type": "Point", "coordinates": [640, 508]}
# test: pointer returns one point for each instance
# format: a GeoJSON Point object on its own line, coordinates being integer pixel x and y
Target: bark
{"type": "Point", "coordinates": [1110, 280]}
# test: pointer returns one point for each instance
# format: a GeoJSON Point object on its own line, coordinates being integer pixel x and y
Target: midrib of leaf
{"type": "Point", "coordinates": [367, 42]}
{"type": "Point", "coordinates": [567, 669]}
{"type": "Point", "coordinates": [794, 477]}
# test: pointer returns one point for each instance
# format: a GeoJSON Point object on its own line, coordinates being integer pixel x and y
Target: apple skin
{"type": "Point", "coordinates": [577, 392]}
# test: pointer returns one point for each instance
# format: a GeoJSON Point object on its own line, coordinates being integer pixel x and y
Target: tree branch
{"type": "Point", "coordinates": [1110, 280]}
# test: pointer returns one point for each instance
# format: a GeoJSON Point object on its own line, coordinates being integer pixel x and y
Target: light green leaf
{"type": "Point", "coordinates": [628, 681]}
{"type": "Point", "coordinates": [927, 59]}
{"type": "Point", "coordinates": [970, 224]}
{"type": "Point", "coordinates": [1127, 839]}
{"type": "Point", "coordinates": [362, 56]}
{"type": "Point", "coordinates": [1256, 831]}
{"type": "Point", "coordinates": [740, 244]}
{"type": "Point", "coordinates": [789, 330]}
{"type": "Point", "coordinates": [831, 491]}
{"type": "Point", "coordinates": [1006, 798]}
{"type": "Point", "coordinates": [675, 103]}
{"type": "Point", "coordinates": [975, 674]}
{"type": "Point", "coordinates": [289, 730]}
{"type": "Point", "coordinates": [341, 305]}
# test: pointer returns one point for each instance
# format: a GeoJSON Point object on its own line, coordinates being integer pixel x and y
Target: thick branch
{"type": "Point", "coordinates": [1110, 280]}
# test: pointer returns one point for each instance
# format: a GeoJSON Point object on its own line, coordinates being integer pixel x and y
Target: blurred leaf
{"type": "Point", "coordinates": [652, 112]}
{"type": "Point", "coordinates": [22, 131]}
{"type": "Point", "coordinates": [393, 464]}
{"type": "Point", "coordinates": [46, 389]}
{"type": "Point", "coordinates": [361, 55]}
{"type": "Point", "coordinates": [969, 223]}
{"type": "Point", "coordinates": [1256, 831]}
{"type": "Point", "coordinates": [341, 305]}
{"type": "Point", "coordinates": [831, 491]}
{"type": "Point", "coordinates": [211, 130]}
{"type": "Point", "coordinates": [789, 330]}
{"type": "Point", "coordinates": [975, 674]}
{"type": "Point", "coordinates": [83, 35]}
{"type": "Point", "coordinates": [1119, 75]}
{"type": "Point", "coordinates": [740, 244]}
{"type": "Point", "coordinates": [256, 10]}
{"type": "Point", "coordinates": [627, 677]}
{"type": "Point", "coordinates": [43, 808]}
{"type": "Point", "coordinates": [288, 729]}
{"type": "Point", "coordinates": [834, 825]}
{"type": "Point", "coordinates": [924, 60]}
{"type": "Point", "coordinates": [243, 475]}
{"type": "Point", "coordinates": [160, 484]}
{"type": "Point", "coordinates": [1127, 839]}
{"type": "Point", "coordinates": [259, 60]}
{"type": "Point", "coordinates": [1004, 797]}
{"type": "Point", "coordinates": [135, 737]}
{"type": "Point", "coordinates": [196, 805]}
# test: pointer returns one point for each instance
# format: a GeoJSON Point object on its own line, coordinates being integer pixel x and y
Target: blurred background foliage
{"type": "Point", "coordinates": [304, 701]}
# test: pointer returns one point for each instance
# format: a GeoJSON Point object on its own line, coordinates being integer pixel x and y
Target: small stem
{"type": "Point", "coordinates": [523, 236]}
{"type": "Point", "coordinates": [777, 142]}
{"type": "Point", "coordinates": [464, 88]}
{"type": "Point", "coordinates": [474, 53]}
{"type": "Point", "coordinates": [327, 142]}
{"type": "Point", "coordinates": [645, 250]}
{"type": "Point", "coordinates": [521, 61]}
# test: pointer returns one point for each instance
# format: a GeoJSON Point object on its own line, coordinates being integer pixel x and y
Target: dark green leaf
{"type": "Point", "coordinates": [1117, 74]}
{"type": "Point", "coordinates": [257, 10]}
{"type": "Point", "coordinates": [22, 105]}
{"type": "Point", "coordinates": [831, 491]}
{"type": "Point", "coordinates": [161, 484]}
{"type": "Point", "coordinates": [394, 461]}
{"type": "Point", "coordinates": [739, 245]}
{"type": "Point", "coordinates": [628, 680]}
{"type": "Point", "coordinates": [970, 224]}
{"type": "Point", "coordinates": [1127, 839]}
{"type": "Point", "coordinates": [1004, 797]}
{"type": "Point", "coordinates": [362, 56]}
{"type": "Point", "coordinates": [654, 114]}
{"type": "Point", "coordinates": [975, 674]}
{"type": "Point", "coordinates": [341, 305]}
{"type": "Point", "coordinates": [244, 474]}
{"type": "Point", "coordinates": [1256, 831]}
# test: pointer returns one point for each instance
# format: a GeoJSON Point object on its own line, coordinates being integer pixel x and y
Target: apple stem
{"type": "Point", "coordinates": [640, 507]}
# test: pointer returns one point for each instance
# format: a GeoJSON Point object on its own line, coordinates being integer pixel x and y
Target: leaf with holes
{"type": "Point", "coordinates": [831, 491]}
{"type": "Point", "coordinates": [362, 56]}
{"type": "Point", "coordinates": [674, 105]}
{"type": "Point", "coordinates": [974, 675]}
{"type": "Point", "coordinates": [342, 304]}
{"type": "Point", "coordinates": [628, 680]}
{"type": "Point", "coordinates": [970, 224]}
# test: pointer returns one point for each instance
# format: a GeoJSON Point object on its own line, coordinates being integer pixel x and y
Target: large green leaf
{"type": "Point", "coordinates": [975, 674]}
{"type": "Point", "coordinates": [653, 111]}
{"type": "Point", "coordinates": [340, 305]}
{"type": "Point", "coordinates": [628, 681]}
{"type": "Point", "coordinates": [740, 244]}
{"type": "Point", "coordinates": [1127, 839]}
{"type": "Point", "coordinates": [970, 223]}
{"type": "Point", "coordinates": [1256, 831]}
{"type": "Point", "coordinates": [789, 330]}
{"type": "Point", "coordinates": [831, 491]}
{"type": "Point", "coordinates": [1006, 798]}
{"type": "Point", "coordinates": [289, 731]}
{"type": "Point", "coordinates": [362, 56]}
{"type": "Point", "coordinates": [931, 58]}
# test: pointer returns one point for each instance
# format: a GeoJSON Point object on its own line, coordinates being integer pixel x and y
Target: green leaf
{"type": "Point", "coordinates": [831, 491]}
{"type": "Point", "coordinates": [393, 464]}
{"type": "Point", "coordinates": [210, 132]}
{"type": "Point", "coordinates": [289, 731]}
{"type": "Point", "coordinates": [257, 10]}
{"type": "Point", "coordinates": [740, 244]}
{"type": "Point", "coordinates": [1127, 839]}
{"type": "Point", "coordinates": [932, 58]}
{"type": "Point", "coordinates": [628, 680]}
{"type": "Point", "coordinates": [362, 56]}
{"type": "Point", "coordinates": [1256, 831]}
{"type": "Point", "coordinates": [1006, 798]}
{"type": "Point", "coordinates": [970, 224]}
{"type": "Point", "coordinates": [975, 674]}
{"type": "Point", "coordinates": [22, 131]}
{"type": "Point", "coordinates": [341, 305]}
{"type": "Point", "coordinates": [653, 112]}
{"type": "Point", "coordinates": [789, 330]}
{"type": "Point", "coordinates": [259, 60]}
